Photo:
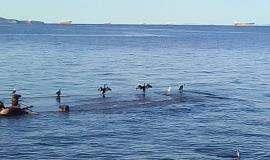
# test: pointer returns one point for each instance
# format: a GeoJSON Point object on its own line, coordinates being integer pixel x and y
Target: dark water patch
{"type": "Point", "coordinates": [257, 122]}
{"type": "Point", "coordinates": [237, 82]}
{"type": "Point", "coordinates": [256, 135]}
{"type": "Point", "coordinates": [143, 102]}
{"type": "Point", "coordinates": [267, 95]}
{"type": "Point", "coordinates": [217, 152]}
{"type": "Point", "coordinates": [84, 103]}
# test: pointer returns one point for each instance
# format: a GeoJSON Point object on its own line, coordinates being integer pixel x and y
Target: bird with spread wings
{"type": "Point", "coordinates": [104, 89]}
{"type": "Point", "coordinates": [144, 87]}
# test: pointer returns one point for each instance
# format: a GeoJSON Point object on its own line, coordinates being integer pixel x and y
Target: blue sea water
{"type": "Point", "coordinates": [224, 106]}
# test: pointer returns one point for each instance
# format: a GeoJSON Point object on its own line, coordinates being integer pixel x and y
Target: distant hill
{"type": "Point", "coordinates": [14, 21]}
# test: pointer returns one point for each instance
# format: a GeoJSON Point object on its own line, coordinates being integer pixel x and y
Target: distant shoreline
{"type": "Point", "coordinates": [120, 24]}
{"type": "Point", "coordinates": [5, 21]}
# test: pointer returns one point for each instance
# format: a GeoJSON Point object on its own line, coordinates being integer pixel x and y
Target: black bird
{"type": "Point", "coordinates": [104, 89]}
{"type": "Point", "coordinates": [58, 93]}
{"type": "Point", "coordinates": [181, 88]}
{"type": "Point", "coordinates": [144, 87]}
{"type": "Point", "coordinates": [13, 91]}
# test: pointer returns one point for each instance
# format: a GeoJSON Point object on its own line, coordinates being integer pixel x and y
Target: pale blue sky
{"type": "Point", "coordinates": [139, 11]}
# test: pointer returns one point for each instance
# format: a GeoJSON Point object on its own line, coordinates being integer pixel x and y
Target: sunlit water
{"type": "Point", "coordinates": [224, 106]}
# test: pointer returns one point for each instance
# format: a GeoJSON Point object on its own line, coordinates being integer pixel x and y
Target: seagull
{"type": "Point", "coordinates": [104, 89]}
{"type": "Point", "coordinates": [169, 90]}
{"type": "Point", "coordinates": [144, 87]}
{"type": "Point", "coordinates": [58, 93]}
{"type": "Point", "coordinates": [238, 154]}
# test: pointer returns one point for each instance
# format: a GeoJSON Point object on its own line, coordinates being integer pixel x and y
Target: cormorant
{"type": "Point", "coordinates": [181, 88]}
{"type": "Point", "coordinates": [104, 89]}
{"type": "Point", "coordinates": [144, 87]}
{"type": "Point", "coordinates": [58, 93]}
{"type": "Point", "coordinates": [58, 96]}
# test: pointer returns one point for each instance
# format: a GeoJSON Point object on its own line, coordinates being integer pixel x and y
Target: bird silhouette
{"type": "Point", "coordinates": [181, 88]}
{"type": "Point", "coordinates": [144, 87]}
{"type": "Point", "coordinates": [58, 96]}
{"type": "Point", "coordinates": [104, 89]}
{"type": "Point", "coordinates": [58, 93]}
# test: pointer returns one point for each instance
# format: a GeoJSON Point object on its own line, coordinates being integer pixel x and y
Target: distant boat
{"type": "Point", "coordinates": [107, 23]}
{"type": "Point", "coordinates": [65, 22]}
{"type": "Point", "coordinates": [236, 23]}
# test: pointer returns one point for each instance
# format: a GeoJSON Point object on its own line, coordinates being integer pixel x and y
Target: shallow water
{"type": "Point", "coordinates": [224, 106]}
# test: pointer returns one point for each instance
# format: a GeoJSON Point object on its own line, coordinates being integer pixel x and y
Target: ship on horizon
{"type": "Point", "coordinates": [65, 22]}
{"type": "Point", "coordinates": [236, 23]}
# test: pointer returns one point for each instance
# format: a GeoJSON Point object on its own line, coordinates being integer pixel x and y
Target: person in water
{"type": "Point", "coordinates": [104, 89]}
{"type": "Point", "coordinates": [15, 108]}
{"type": "Point", "coordinates": [144, 87]}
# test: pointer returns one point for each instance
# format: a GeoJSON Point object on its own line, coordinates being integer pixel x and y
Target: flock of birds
{"type": "Point", "coordinates": [104, 89]}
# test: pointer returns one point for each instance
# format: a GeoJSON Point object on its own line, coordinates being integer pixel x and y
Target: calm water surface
{"type": "Point", "coordinates": [225, 105]}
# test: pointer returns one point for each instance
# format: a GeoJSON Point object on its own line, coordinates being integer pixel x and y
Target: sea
{"type": "Point", "coordinates": [224, 107]}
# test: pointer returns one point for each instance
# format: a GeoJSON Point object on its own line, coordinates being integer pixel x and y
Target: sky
{"type": "Point", "coordinates": [139, 11]}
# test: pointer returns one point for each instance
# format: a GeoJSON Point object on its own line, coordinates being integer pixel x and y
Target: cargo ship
{"type": "Point", "coordinates": [236, 23]}
{"type": "Point", "coordinates": [65, 22]}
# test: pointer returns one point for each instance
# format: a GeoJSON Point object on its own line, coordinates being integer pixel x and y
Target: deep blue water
{"type": "Point", "coordinates": [224, 106]}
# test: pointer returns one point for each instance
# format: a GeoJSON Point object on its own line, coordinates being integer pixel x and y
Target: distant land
{"type": "Point", "coordinates": [15, 21]}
